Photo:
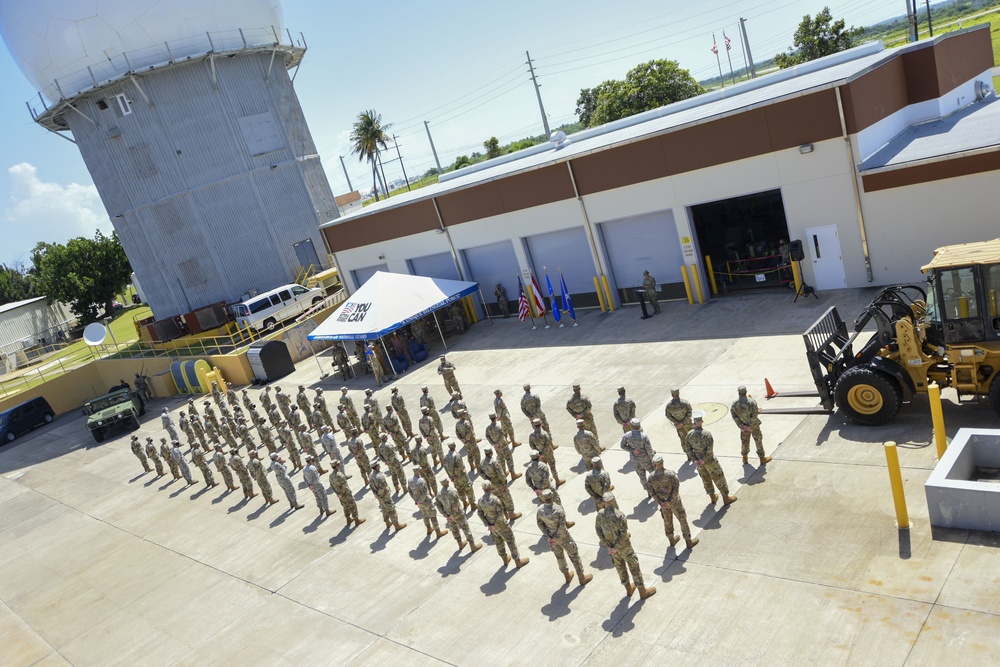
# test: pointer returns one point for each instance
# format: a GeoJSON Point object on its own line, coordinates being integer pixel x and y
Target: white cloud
{"type": "Point", "coordinates": [53, 212]}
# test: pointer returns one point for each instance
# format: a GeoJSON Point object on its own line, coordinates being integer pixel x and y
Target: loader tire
{"type": "Point", "coordinates": [867, 396]}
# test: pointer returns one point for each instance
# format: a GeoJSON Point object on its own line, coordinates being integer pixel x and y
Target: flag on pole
{"type": "Point", "coordinates": [715, 49]}
{"type": "Point", "coordinates": [552, 296]}
{"type": "Point", "coordinates": [522, 301]}
{"type": "Point", "coordinates": [728, 41]}
{"type": "Point", "coordinates": [566, 301]}
{"type": "Point", "coordinates": [536, 296]}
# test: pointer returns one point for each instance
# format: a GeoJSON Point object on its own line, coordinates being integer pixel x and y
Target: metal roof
{"type": "Point", "coordinates": [7, 307]}
{"type": "Point", "coordinates": [964, 254]}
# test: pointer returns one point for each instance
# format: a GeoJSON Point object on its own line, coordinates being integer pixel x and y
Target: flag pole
{"type": "Point", "coordinates": [729, 57]}
{"type": "Point", "coordinates": [486, 308]}
{"type": "Point", "coordinates": [530, 305]}
{"type": "Point", "coordinates": [565, 297]}
{"type": "Point", "coordinates": [440, 333]}
{"type": "Point", "coordinates": [715, 47]}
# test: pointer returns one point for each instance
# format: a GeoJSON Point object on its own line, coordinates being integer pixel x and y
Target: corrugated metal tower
{"type": "Point", "coordinates": [185, 114]}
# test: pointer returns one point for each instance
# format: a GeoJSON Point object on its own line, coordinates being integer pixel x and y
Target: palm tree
{"type": "Point", "coordinates": [370, 136]}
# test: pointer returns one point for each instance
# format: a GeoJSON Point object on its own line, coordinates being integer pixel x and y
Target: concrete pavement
{"type": "Point", "coordinates": [102, 565]}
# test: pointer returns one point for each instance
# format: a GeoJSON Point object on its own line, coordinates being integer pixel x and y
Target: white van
{"type": "Point", "coordinates": [268, 310]}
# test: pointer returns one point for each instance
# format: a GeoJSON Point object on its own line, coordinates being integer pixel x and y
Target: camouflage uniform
{"type": "Point", "coordinates": [700, 446]}
{"type": "Point", "coordinates": [216, 393]}
{"type": "Point", "coordinates": [284, 402]}
{"type": "Point", "coordinates": [390, 424]}
{"type": "Point", "coordinates": [370, 423]}
{"type": "Point", "coordinates": [338, 482]}
{"type": "Point", "coordinates": [421, 495]}
{"type": "Point", "coordinates": [744, 412]}
{"type": "Point", "coordinates": [267, 440]}
{"type": "Point", "coordinates": [274, 416]}
{"type": "Point", "coordinates": [666, 487]}
{"type": "Point", "coordinates": [199, 432]}
{"type": "Point", "coordinates": [198, 458]}
{"type": "Point", "coordinates": [497, 438]}
{"type": "Point", "coordinates": [185, 426]}
{"type": "Point", "coordinates": [281, 477]}
{"type": "Point", "coordinates": [448, 503]}
{"type": "Point", "coordinates": [586, 446]}
{"type": "Point", "coordinates": [165, 453]}
{"type": "Point", "coordinates": [348, 404]}
{"type": "Point", "coordinates": [311, 476]}
{"type": "Point", "coordinates": [219, 459]}
{"type": "Point", "coordinates": [580, 407]}
{"type": "Point", "coordinates": [227, 434]}
{"type": "Point", "coordinates": [288, 441]}
{"type": "Point", "coordinates": [399, 405]}
{"type": "Point", "coordinates": [551, 520]}
{"type": "Point", "coordinates": [624, 409]}
{"type": "Point", "coordinates": [597, 482]}
{"type": "Point", "coordinates": [245, 399]}
{"type": "Point", "coordinates": [538, 479]}
{"type": "Point", "coordinates": [466, 433]}
{"type": "Point", "coordinates": [541, 442]}
{"type": "Point", "coordinates": [531, 406]}
{"type": "Point", "coordinates": [307, 446]}
{"type": "Point", "coordinates": [457, 405]}
{"type": "Point", "coordinates": [641, 453]}
{"type": "Point", "coordinates": [140, 453]}
{"type": "Point", "coordinates": [320, 403]}
{"type": "Point", "coordinates": [501, 300]}
{"type": "Point", "coordinates": [259, 473]}
{"type": "Point", "coordinates": [649, 284]}
{"type": "Point", "coordinates": [678, 411]}
{"type": "Point", "coordinates": [240, 468]}
{"type": "Point", "coordinates": [493, 471]}
{"type": "Point", "coordinates": [503, 415]}
{"type": "Point", "coordinates": [315, 418]}
{"type": "Point", "coordinates": [454, 467]}
{"type": "Point", "coordinates": [295, 417]}
{"type": "Point", "coordinates": [341, 361]}
{"type": "Point", "coordinates": [357, 449]}
{"type": "Point", "coordinates": [430, 433]}
{"type": "Point", "coordinates": [265, 399]}
{"type": "Point", "coordinates": [344, 420]}
{"type": "Point", "coordinates": [210, 419]}
{"type": "Point", "coordinates": [329, 443]}
{"type": "Point", "coordinates": [154, 456]}
{"type": "Point", "coordinates": [302, 400]}
{"type": "Point", "coordinates": [168, 425]}
{"type": "Point", "coordinates": [182, 465]}
{"type": "Point", "coordinates": [380, 488]}
{"type": "Point", "coordinates": [612, 532]}
{"type": "Point", "coordinates": [375, 363]}
{"type": "Point", "coordinates": [446, 370]}
{"type": "Point", "coordinates": [422, 464]}
{"type": "Point", "coordinates": [388, 456]}
{"type": "Point", "coordinates": [427, 401]}
{"type": "Point", "coordinates": [255, 418]}
{"type": "Point", "coordinates": [457, 316]}
{"type": "Point", "coordinates": [493, 516]}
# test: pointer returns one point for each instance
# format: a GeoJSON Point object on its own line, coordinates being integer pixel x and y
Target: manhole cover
{"type": "Point", "coordinates": [713, 411]}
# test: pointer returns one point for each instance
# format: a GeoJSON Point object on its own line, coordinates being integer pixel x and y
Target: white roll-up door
{"type": "Point", "coordinates": [568, 250]}
{"type": "Point", "coordinates": [492, 264]}
{"type": "Point", "coordinates": [644, 243]}
{"type": "Point", "coordinates": [361, 276]}
{"type": "Point", "coordinates": [441, 265]}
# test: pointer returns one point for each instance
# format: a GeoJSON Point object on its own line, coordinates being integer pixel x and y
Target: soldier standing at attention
{"type": "Point", "coordinates": [240, 468]}
{"type": "Point", "coordinates": [538, 479]}
{"type": "Point", "coordinates": [455, 469]}
{"type": "Point", "coordinates": [450, 506]}
{"type": "Point", "coordinates": [344, 420]}
{"type": "Point", "coordinates": [399, 405]}
{"type": "Point", "coordinates": [421, 496]}
{"type": "Point", "coordinates": [612, 532]}
{"type": "Point", "coordinates": [348, 404]}
{"type": "Point", "coordinates": [624, 409]}
{"type": "Point", "coordinates": [302, 400]}
{"type": "Point", "coordinates": [501, 296]}
{"type": "Point", "coordinates": [649, 284]}
{"type": "Point", "coordinates": [446, 370]}
{"type": "Point", "coordinates": [427, 401]}
{"type": "Point", "coordinates": [678, 411]}
{"type": "Point", "coordinates": [492, 514]}
{"type": "Point", "coordinates": [388, 455]}
{"type": "Point", "coordinates": [376, 363]}
{"type": "Point", "coordinates": [422, 464]}
{"type": "Point", "coordinates": [498, 439]}
{"type": "Point", "coordinates": [541, 442]}
{"type": "Point", "coordinates": [338, 482]}
{"type": "Point", "coordinates": [284, 402]}
{"type": "Point", "coordinates": [341, 362]}
{"type": "Point", "coordinates": [165, 453]}
{"type": "Point", "coordinates": [585, 443]}
{"type": "Point", "coordinates": [320, 402]}
{"type": "Point", "coordinates": [265, 400]}
{"type": "Point", "coordinates": [372, 402]}
{"type": "Point", "coordinates": [182, 465]}
{"type": "Point", "coordinates": [370, 423]}
{"type": "Point", "coordinates": [357, 449]}
{"type": "Point", "coordinates": [315, 483]}
{"type": "Point", "coordinates": [219, 459]}
{"type": "Point", "coordinates": [531, 407]}
{"type": "Point", "coordinates": [288, 440]}
{"type": "Point", "coordinates": [551, 520]}
{"type": "Point", "coordinates": [466, 432]}
{"type": "Point", "coordinates": [154, 456]}
{"type": "Point", "coordinates": [329, 443]}
{"type": "Point", "coordinates": [666, 487]}
{"type": "Point", "coordinates": [597, 482]}
{"type": "Point", "coordinates": [199, 432]}
{"type": "Point", "coordinates": [168, 424]}
{"type": "Point", "coordinates": [379, 487]}
{"type": "Point", "coordinates": [640, 451]}
{"type": "Point", "coordinates": [140, 453]}
{"type": "Point", "coordinates": [744, 412]}
{"type": "Point", "coordinates": [503, 414]}
{"type": "Point", "coordinates": [429, 430]}
{"type": "Point", "coordinates": [390, 424]}
{"type": "Point", "coordinates": [198, 458]}
{"type": "Point", "coordinates": [580, 407]}
{"type": "Point", "coordinates": [259, 473]}
{"type": "Point", "coordinates": [700, 448]}
{"type": "Point", "coordinates": [457, 405]}
{"type": "Point", "coordinates": [281, 476]}
{"type": "Point", "coordinates": [494, 472]}
{"type": "Point", "coordinates": [306, 446]}
{"type": "Point", "coordinates": [216, 393]}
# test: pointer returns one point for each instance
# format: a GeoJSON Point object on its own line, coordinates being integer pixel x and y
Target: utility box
{"type": "Point", "coordinates": [269, 360]}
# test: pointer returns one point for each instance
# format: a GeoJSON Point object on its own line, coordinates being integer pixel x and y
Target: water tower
{"type": "Point", "coordinates": [187, 120]}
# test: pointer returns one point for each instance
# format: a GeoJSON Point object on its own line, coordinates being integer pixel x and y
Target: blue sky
{"type": "Point", "coordinates": [459, 65]}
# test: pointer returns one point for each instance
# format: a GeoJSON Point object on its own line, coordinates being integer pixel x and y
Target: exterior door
{"type": "Point", "coordinates": [823, 245]}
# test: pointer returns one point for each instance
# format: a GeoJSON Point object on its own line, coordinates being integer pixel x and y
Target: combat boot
{"type": "Point", "coordinates": [560, 482]}
{"type": "Point", "coordinates": [584, 579]}
{"type": "Point", "coordinates": [399, 526]}
{"type": "Point", "coordinates": [629, 589]}
{"type": "Point", "coordinates": [646, 592]}
{"type": "Point", "coordinates": [473, 548]}
{"type": "Point", "coordinates": [441, 533]}
{"type": "Point", "coordinates": [515, 475]}
{"type": "Point", "coordinates": [673, 539]}
{"type": "Point", "coordinates": [516, 444]}
{"type": "Point", "coordinates": [521, 562]}
{"type": "Point", "coordinates": [729, 500]}
{"type": "Point", "coordinates": [512, 516]}
{"type": "Point", "coordinates": [764, 460]}
{"type": "Point", "coordinates": [568, 575]}
{"type": "Point", "coordinates": [506, 559]}
{"type": "Point", "coordinates": [714, 497]}
{"type": "Point", "coordinates": [570, 524]}
{"type": "Point", "coordinates": [474, 506]}
{"type": "Point", "coordinates": [358, 522]}
{"type": "Point", "coordinates": [388, 525]}
{"type": "Point", "coordinates": [427, 525]}
{"type": "Point", "coordinates": [692, 542]}
{"type": "Point", "coordinates": [745, 461]}
{"type": "Point", "coordinates": [461, 544]}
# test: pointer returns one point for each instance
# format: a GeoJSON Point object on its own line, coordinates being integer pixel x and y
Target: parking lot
{"type": "Point", "coordinates": [102, 565]}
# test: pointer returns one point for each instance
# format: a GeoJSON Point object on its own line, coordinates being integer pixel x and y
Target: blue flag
{"type": "Point", "coordinates": [566, 302]}
{"type": "Point", "coordinates": [555, 307]}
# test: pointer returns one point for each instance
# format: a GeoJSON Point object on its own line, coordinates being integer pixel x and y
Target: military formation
{"type": "Point", "coordinates": [299, 434]}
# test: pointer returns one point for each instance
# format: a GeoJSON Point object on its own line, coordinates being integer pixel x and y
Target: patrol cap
{"type": "Point", "coordinates": [376, 465]}
{"type": "Point", "coordinates": [252, 453]}
{"type": "Point", "coordinates": [309, 457]}
{"type": "Point", "coordinates": [441, 357]}
{"type": "Point", "coordinates": [497, 391]}
{"type": "Point", "coordinates": [580, 422]}
{"type": "Point", "coordinates": [533, 454]}
{"type": "Point", "coordinates": [635, 423]}
{"type": "Point", "coordinates": [463, 411]}
{"type": "Point", "coordinates": [334, 463]}
{"type": "Point", "coordinates": [354, 429]}
{"type": "Point", "coordinates": [487, 451]}
{"type": "Point", "coordinates": [608, 497]}
{"type": "Point", "coordinates": [697, 415]}
{"type": "Point", "coordinates": [424, 388]}
{"type": "Point", "coordinates": [418, 438]}
{"type": "Point", "coordinates": [742, 389]}
{"type": "Point", "coordinates": [536, 421]}
{"type": "Point", "coordinates": [657, 459]}
{"type": "Point", "coordinates": [547, 495]}
{"type": "Point", "coordinates": [576, 386]}
{"type": "Point", "coordinates": [368, 391]}
{"type": "Point", "coordinates": [527, 386]}
{"type": "Point", "coordinates": [343, 389]}
{"type": "Point", "coordinates": [493, 416]}
{"type": "Point", "coordinates": [487, 485]}
{"type": "Point", "coordinates": [621, 390]}
{"type": "Point", "coordinates": [425, 409]}
{"type": "Point", "coordinates": [274, 456]}
{"type": "Point", "coordinates": [595, 460]}
{"type": "Point", "coordinates": [234, 452]}
{"type": "Point", "coordinates": [395, 390]}
{"type": "Point", "coordinates": [451, 445]}
{"type": "Point", "coordinates": [675, 390]}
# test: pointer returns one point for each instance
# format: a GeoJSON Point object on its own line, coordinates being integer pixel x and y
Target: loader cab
{"type": "Point", "coordinates": [962, 304]}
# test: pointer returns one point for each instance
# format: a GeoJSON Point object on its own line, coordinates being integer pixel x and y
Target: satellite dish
{"type": "Point", "coordinates": [95, 333]}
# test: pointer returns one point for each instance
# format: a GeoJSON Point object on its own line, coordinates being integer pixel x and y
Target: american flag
{"type": "Point", "coordinates": [715, 49]}
{"type": "Point", "coordinates": [728, 44]}
{"type": "Point", "coordinates": [522, 301]}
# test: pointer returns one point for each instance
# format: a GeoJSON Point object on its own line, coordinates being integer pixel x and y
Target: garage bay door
{"type": "Point", "coordinates": [361, 276]}
{"type": "Point", "coordinates": [441, 265]}
{"type": "Point", "coordinates": [492, 264]}
{"type": "Point", "coordinates": [568, 250]}
{"type": "Point", "coordinates": [644, 243]}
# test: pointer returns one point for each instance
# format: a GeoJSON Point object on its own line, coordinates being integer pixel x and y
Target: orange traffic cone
{"type": "Point", "coordinates": [771, 393]}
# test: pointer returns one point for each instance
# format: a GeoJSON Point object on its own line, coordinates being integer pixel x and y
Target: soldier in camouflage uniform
{"type": "Point", "coordinates": [216, 393]}
{"type": "Point", "coordinates": [259, 474]}
{"type": "Point", "coordinates": [612, 532]}
{"type": "Point", "coordinates": [446, 370]}
{"type": "Point", "coordinates": [219, 459]}
{"type": "Point", "coordinates": [210, 419]}
{"type": "Point", "coordinates": [492, 514]}
{"type": "Point", "coordinates": [307, 446]}
{"type": "Point", "coordinates": [580, 407]}
{"type": "Point", "coordinates": [421, 495]}
{"type": "Point", "coordinates": [422, 464]}
{"type": "Point", "coordinates": [168, 424]}
{"type": "Point", "coordinates": [182, 465]}
{"type": "Point", "coordinates": [597, 482]}
{"type": "Point", "coordinates": [390, 424]}
{"type": "Point", "coordinates": [503, 414]}
{"type": "Point", "coordinates": [265, 399]}
{"type": "Point", "coordinates": [357, 449]}
{"type": "Point", "coordinates": [538, 478]}
{"type": "Point", "coordinates": [192, 409]}
{"type": "Point", "coordinates": [338, 482]}
{"type": "Point", "coordinates": [372, 403]}
{"type": "Point", "coordinates": [496, 436]}
{"type": "Point", "coordinates": [624, 409]}
{"type": "Point", "coordinates": [315, 483]}
{"type": "Point", "coordinates": [640, 451]}
{"type": "Point", "coordinates": [494, 472]}
{"type": "Point", "coordinates": [283, 401]}
{"type": "Point", "coordinates": [344, 420]}
{"type": "Point", "coordinates": [242, 474]}
{"type": "Point", "coordinates": [458, 316]}
{"type": "Point", "coordinates": [154, 456]}
{"type": "Point", "coordinates": [455, 469]}
{"type": "Point", "coordinates": [466, 432]}
{"type": "Point", "coordinates": [387, 455]}
{"type": "Point", "coordinates": [329, 443]}
{"type": "Point", "coordinates": [198, 458]}
{"type": "Point", "coordinates": [700, 448]}
{"type": "Point", "coordinates": [227, 434]}
{"type": "Point", "coordinates": [274, 416]}
{"type": "Point", "coordinates": [427, 401]}
{"type": "Point", "coordinates": [165, 454]}
{"type": "Point", "coordinates": [185, 426]}
{"type": "Point", "coordinates": [429, 430]}
{"type": "Point", "coordinates": [531, 407]}
{"type": "Point", "coordinates": [450, 506]}
{"type": "Point", "coordinates": [457, 405]}
{"type": "Point", "coordinates": [231, 396]}
{"type": "Point", "coordinates": [267, 440]}
{"type": "Point", "coordinates": [302, 400]}
{"type": "Point", "coordinates": [199, 432]}
{"type": "Point", "coordinates": [320, 402]}
{"type": "Point", "coordinates": [281, 477]}
{"type": "Point", "coordinates": [745, 412]}
{"type": "Point", "coordinates": [315, 418]}
{"type": "Point", "coordinates": [348, 404]}
{"type": "Point", "coordinates": [678, 411]}
{"type": "Point", "coordinates": [380, 488]}
{"type": "Point", "coordinates": [295, 417]}
{"type": "Point", "coordinates": [501, 296]}
{"type": "Point", "coordinates": [551, 520]}
{"type": "Point", "coordinates": [140, 453]}
{"type": "Point", "coordinates": [541, 442]}
{"type": "Point", "coordinates": [649, 284]}
{"type": "Point", "coordinates": [245, 399]}
{"type": "Point", "coordinates": [287, 439]}
{"type": "Point", "coordinates": [341, 362]}
{"type": "Point", "coordinates": [666, 487]}
{"type": "Point", "coordinates": [399, 405]}
{"type": "Point", "coordinates": [585, 443]}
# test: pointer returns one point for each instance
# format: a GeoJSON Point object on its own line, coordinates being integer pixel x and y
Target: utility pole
{"type": "Point", "coordinates": [930, 28]}
{"type": "Point", "coordinates": [911, 19]}
{"type": "Point", "coordinates": [344, 167]}
{"type": "Point", "coordinates": [433, 150]}
{"type": "Point", "coordinates": [746, 42]}
{"type": "Point", "coordinates": [400, 157]}
{"type": "Point", "coordinates": [538, 93]}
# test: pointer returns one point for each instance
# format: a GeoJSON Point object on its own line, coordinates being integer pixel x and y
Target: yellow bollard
{"type": "Point", "coordinates": [607, 294]}
{"type": "Point", "coordinates": [797, 275]}
{"type": "Point", "coordinates": [697, 283]}
{"type": "Point", "coordinates": [896, 480]}
{"type": "Point", "coordinates": [687, 284]}
{"type": "Point", "coordinates": [600, 294]}
{"type": "Point", "coordinates": [937, 416]}
{"type": "Point", "coordinates": [711, 274]}
{"type": "Point", "coordinates": [470, 308]}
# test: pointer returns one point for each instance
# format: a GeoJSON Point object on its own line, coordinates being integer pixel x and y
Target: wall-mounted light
{"type": "Point", "coordinates": [806, 148]}
{"type": "Point", "coordinates": [439, 230]}
{"type": "Point", "coordinates": [381, 257]}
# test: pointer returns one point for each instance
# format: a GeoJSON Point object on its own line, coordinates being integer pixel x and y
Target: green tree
{"type": "Point", "coordinates": [818, 37]}
{"type": "Point", "coordinates": [85, 273]}
{"type": "Point", "coordinates": [649, 85]}
{"type": "Point", "coordinates": [492, 146]}
{"type": "Point", "coordinates": [16, 284]}
{"type": "Point", "coordinates": [462, 161]}
{"type": "Point", "coordinates": [586, 104]}
{"type": "Point", "coordinates": [370, 137]}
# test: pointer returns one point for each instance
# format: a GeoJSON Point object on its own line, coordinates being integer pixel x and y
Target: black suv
{"type": "Point", "coordinates": [22, 418]}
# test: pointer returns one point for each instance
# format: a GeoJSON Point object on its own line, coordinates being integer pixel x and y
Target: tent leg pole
{"type": "Point", "coordinates": [440, 333]}
{"type": "Point", "coordinates": [486, 309]}
{"type": "Point", "coordinates": [388, 357]}
{"type": "Point", "coordinates": [353, 372]}
{"type": "Point", "coordinates": [316, 357]}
